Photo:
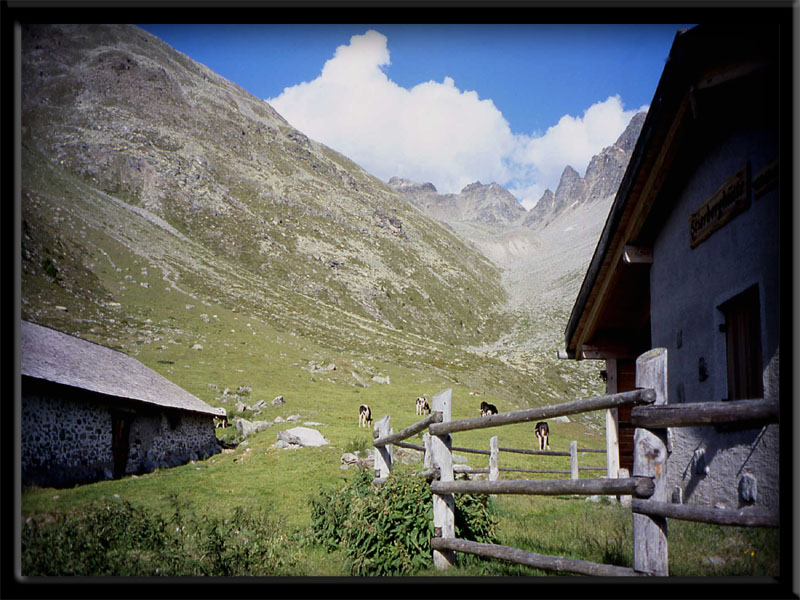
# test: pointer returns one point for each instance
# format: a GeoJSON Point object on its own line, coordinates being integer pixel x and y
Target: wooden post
{"type": "Point", "coordinates": [493, 452]}
{"type": "Point", "coordinates": [427, 459]}
{"type": "Point", "coordinates": [612, 422]}
{"type": "Point", "coordinates": [650, 553]}
{"type": "Point", "coordinates": [443, 504]}
{"type": "Point", "coordinates": [383, 454]}
{"type": "Point", "coordinates": [573, 459]}
{"type": "Point", "coordinates": [624, 500]}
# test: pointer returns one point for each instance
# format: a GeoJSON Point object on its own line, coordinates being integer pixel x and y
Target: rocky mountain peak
{"type": "Point", "coordinates": [627, 141]}
{"type": "Point", "coordinates": [603, 176]}
{"type": "Point", "coordinates": [490, 204]}
{"type": "Point", "coordinates": [406, 185]}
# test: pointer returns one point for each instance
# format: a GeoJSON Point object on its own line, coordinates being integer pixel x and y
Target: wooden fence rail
{"type": "Point", "coordinates": [741, 412]}
{"type": "Point", "coordinates": [743, 517]}
{"type": "Point", "coordinates": [641, 396]}
{"type": "Point", "coordinates": [538, 561]}
{"type": "Point", "coordinates": [641, 487]}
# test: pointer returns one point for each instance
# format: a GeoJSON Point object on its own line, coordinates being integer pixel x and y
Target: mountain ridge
{"type": "Point", "coordinates": [158, 196]}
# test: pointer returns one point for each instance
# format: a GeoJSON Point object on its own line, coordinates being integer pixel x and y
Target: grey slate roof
{"type": "Point", "coordinates": [57, 357]}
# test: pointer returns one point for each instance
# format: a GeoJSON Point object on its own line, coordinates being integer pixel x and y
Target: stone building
{"type": "Point", "coordinates": [91, 413]}
{"type": "Point", "coordinates": [689, 259]}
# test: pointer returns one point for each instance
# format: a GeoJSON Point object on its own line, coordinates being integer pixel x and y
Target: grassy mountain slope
{"type": "Point", "coordinates": [156, 195]}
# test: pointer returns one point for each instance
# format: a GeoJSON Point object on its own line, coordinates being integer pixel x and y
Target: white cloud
{"type": "Point", "coordinates": [572, 141]}
{"type": "Point", "coordinates": [434, 131]}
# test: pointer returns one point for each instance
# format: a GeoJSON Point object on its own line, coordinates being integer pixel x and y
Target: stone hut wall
{"type": "Point", "coordinates": [66, 435]}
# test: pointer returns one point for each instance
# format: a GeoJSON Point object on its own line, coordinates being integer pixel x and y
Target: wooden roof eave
{"type": "Point", "coordinates": [635, 199]}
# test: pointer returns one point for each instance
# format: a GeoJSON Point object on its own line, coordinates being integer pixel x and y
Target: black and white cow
{"type": "Point", "coordinates": [364, 415]}
{"type": "Point", "coordinates": [543, 435]}
{"type": "Point", "coordinates": [423, 406]}
{"type": "Point", "coordinates": [488, 409]}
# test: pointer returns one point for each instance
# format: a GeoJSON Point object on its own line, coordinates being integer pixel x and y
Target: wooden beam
{"type": "Point", "coordinates": [650, 549]}
{"type": "Point", "coordinates": [753, 412]}
{"type": "Point", "coordinates": [537, 561]}
{"type": "Point", "coordinates": [493, 468]}
{"type": "Point", "coordinates": [743, 517]}
{"type": "Point", "coordinates": [382, 454]}
{"type": "Point", "coordinates": [636, 486]}
{"type": "Point", "coordinates": [728, 73]}
{"type": "Point", "coordinates": [411, 446]}
{"type": "Point", "coordinates": [606, 352]}
{"type": "Point", "coordinates": [634, 255]}
{"type": "Point", "coordinates": [443, 503]}
{"type": "Point", "coordinates": [644, 396]}
{"type": "Point", "coordinates": [630, 224]}
{"type": "Point", "coordinates": [435, 417]}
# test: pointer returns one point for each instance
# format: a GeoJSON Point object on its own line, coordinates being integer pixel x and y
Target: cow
{"type": "Point", "coordinates": [488, 409]}
{"type": "Point", "coordinates": [543, 435]}
{"type": "Point", "coordinates": [423, 407]}
{"type": "Point", "coordinates": [220, 422]}
{"type": "Point", "coordinates": [364, 416]}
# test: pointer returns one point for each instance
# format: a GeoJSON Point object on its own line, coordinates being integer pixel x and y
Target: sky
{"type": "Point", "coordinates": [445, 104]}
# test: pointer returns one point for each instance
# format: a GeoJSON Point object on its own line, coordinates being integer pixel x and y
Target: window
{"type": "Point", "coordinates": [743, 345]}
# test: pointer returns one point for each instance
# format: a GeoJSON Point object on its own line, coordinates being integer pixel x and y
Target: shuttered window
{"type": "Point", "coordinates": [743, 345]}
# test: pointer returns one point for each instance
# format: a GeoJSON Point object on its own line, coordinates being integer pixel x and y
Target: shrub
{"type": "Point", "coordinates": [387, 530]}
{"type": "Point", "coordinates": [121, 539]}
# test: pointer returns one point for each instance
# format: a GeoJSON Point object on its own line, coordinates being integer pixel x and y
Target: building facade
{"type": "Point", "coordinates": [90, 413]}
{"type": "Point", "coordinates": [689, 260]}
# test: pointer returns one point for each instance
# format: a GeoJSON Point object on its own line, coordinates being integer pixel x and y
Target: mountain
{"type": "Point", "coordinates": [543, 256]}
{"type": "Point", "coordinates": [160, 200]}
{"type": "Point", "coordinates": [489, 204]}
{"type": "Point", "coordinates": [603, 176]}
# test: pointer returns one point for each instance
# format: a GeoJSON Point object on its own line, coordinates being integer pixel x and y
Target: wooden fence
{"type": "Point", "coordinates": [494, 450]}
{"type": "Point", "coordinates": [647, 486]}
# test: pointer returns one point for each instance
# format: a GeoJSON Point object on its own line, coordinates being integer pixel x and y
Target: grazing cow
{"type": "Point", "coordinates": [543, 435]}
{"type": "Point", "coordinates": [364, 415]}
{"type": "Point", "coordinates": [220, 422]}
{"type": "Point", "coordinates": [423, 407]}
{"type": "Point", "coordinates": [488, 409]}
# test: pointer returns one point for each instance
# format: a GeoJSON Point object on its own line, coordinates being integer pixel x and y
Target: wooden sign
{"type": "Point", "coordinates": [731, 199]}
{"type": "Point", "coordinates": [766, 180]}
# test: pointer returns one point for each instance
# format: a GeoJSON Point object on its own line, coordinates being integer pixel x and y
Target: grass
{"type": "Point", "coordinates": [127, 537]}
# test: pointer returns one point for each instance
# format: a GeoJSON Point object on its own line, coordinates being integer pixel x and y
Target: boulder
{"type": "Point", "coordinates": [302, 436]}
{"type": "Point", "coordinates": [277, 401]}
{"type": "Point", "coordinates": [245, 428]}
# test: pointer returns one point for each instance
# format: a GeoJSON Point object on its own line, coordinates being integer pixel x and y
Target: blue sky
{"type": "Point", "coordinates": [449, 104]}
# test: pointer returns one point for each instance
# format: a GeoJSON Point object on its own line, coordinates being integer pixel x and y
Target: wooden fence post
{"type": "Point", "coordinates": [612, 423]}
{"type": "Point", "coordinates": [494, 472]}
{"type": "Point", "coordinates": [573, 459]}
{"type": "Point", "coordinates": [443, 504]}
{"type": "Point", "coordinates": [427, 459]}
{"type": "Point", "coordinates": [383, 454]}
{"type": "Point", "coordinates": [650, 552]}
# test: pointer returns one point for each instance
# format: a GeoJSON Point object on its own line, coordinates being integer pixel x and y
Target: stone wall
{"type": "Point", "coordinates": [66, 436]}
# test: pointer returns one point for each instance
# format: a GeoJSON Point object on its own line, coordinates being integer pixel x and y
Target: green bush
{"type": "Point", "coordinates": [387, 530]}
{"type": "Point", "coordinates": [121, 539]}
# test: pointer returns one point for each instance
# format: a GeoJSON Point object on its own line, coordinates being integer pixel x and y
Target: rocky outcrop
{"type": "Point", "coordinates": [603, 176]}
{"type": "Point", "coordinates": [490, 204]}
